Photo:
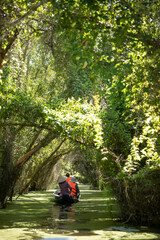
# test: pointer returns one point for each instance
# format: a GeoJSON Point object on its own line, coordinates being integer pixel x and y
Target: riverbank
{"type": "Point", "coordinates": [34, 216]}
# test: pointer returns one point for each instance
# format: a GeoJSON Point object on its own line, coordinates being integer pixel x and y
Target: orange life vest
{"type": "Point", "coordinates": [73, 190]}
{"type": "Point", "coordinates": [68, 179]}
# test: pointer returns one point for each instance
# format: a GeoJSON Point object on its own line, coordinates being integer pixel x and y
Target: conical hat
{"type": "Point", "coordinates": [61, 179]}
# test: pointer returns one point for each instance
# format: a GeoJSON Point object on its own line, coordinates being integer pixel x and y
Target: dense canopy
{"type": "Point", "coordinates": [80, 83]}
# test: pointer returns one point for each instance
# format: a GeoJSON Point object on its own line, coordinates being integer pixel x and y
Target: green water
{"type": "Point", "coordinates": [35, 216]}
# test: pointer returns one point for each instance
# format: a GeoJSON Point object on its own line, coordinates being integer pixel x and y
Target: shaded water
{"type": "Point", "coordinates": [96, 216]}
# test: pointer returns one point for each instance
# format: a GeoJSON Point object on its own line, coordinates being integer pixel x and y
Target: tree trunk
{"type": "Point", "coordinates": [6, 167]}
{"type": "Point", "coordinates": [9, 172]}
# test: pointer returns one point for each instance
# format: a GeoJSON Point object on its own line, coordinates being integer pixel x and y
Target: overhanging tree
{"type": "Point", "coordinates": [75, 121]}
{"type": "Point", "coordinates": [108, 49]}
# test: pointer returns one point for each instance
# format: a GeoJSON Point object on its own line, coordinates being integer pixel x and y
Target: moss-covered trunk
{"type": "Point", "coordinates": [144, 199]}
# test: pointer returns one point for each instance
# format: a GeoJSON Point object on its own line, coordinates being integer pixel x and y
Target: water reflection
{"type": "Point", "coordinates": [66, 212]}
{"type": "Point", "coordinates": [62, 215]}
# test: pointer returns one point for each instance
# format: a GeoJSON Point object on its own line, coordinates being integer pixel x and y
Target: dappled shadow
{"type": "Point", "coordinates": [96, 214]}
{"type": "Point", "coordinates": [27, 211]}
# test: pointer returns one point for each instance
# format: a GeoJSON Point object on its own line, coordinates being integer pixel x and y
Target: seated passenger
{"type": "Point", "coordinates": [75, 189]}
{"type": "Point", "coordinates": [68, 177]}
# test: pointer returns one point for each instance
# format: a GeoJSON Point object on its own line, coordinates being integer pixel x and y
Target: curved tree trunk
{"type": "Point", "coordinates": [9, 172]}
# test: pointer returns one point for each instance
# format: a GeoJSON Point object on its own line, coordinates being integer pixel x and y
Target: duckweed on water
{"type": "Point", "coordinates": [35, 216]}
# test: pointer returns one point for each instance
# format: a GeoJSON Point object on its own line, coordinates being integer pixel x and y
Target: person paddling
{"type": "Point", "coordinates": [65, 188]}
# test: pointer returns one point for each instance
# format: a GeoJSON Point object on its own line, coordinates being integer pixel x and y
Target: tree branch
{"type": "Point", "coordinates": [34, 8]}
{"type": "Point", "coordinates": [33, 140]}
{"type": "Point", "coordinates": [27, 156]}
{"type": "Point", "coordinates": [25, 124]}
{"type": "Point", "coordinates": [51, 159]}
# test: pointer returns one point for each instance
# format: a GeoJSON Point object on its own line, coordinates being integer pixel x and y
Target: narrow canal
{"type": "Point", "coordinates": [96, 217]}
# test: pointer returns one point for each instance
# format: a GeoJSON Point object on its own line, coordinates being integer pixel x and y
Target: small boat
{"type": "Point", "coordinates": [64, 199]}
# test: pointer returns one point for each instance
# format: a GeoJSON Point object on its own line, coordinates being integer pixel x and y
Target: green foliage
{"type": "Point", "coordinates": [77, 120]}
{"type": "Point", "coordinates": [83, 70]}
